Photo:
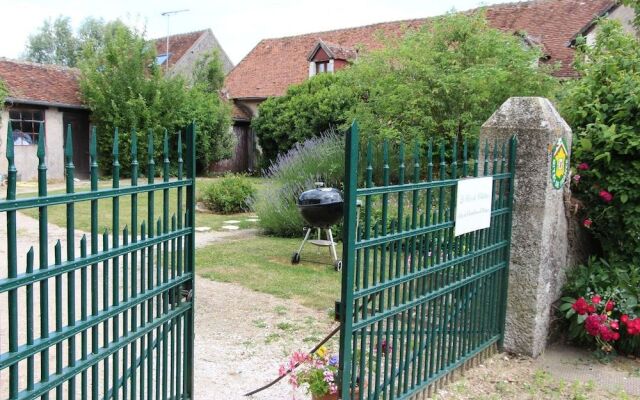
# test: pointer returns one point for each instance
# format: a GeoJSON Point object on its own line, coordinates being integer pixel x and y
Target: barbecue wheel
{"type": "Point", "coordinates": [295, 258]}
{"type": "Point", "coordinates": [337, 265]}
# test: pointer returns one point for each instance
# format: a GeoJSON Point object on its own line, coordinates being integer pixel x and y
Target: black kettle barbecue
{"type": "Point", "coordinates": [320, 208]}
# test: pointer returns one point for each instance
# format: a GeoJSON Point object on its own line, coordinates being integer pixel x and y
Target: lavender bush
{"type": "Point", "coordinates": [319, 159]}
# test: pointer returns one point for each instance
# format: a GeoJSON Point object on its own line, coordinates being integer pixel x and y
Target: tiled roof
{"type": "Point", "coordinates": [178, 45]}
{"type": "Point", "coordinates": [274, 64]}
{"type": "Point", "coordinates": [39, 83]}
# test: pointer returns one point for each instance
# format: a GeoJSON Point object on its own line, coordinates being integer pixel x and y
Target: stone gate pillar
{"type": "Point", "coordinates": [539, 238]}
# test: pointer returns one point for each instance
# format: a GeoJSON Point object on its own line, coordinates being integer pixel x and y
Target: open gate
{"type": "Point", "coordinates": [106, 314]}
{"type": "Point", "coordinates": [418, 301]}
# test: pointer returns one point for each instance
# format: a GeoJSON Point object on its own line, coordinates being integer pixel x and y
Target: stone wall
{"type": "Point", "coordinates": [204, 44]}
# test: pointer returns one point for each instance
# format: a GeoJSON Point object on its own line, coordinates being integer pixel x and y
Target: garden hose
{"type": "Point", "coordinates": [325, 340]}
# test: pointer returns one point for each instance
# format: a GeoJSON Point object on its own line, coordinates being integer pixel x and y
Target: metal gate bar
{"type": "Point", "coordinates": [426, 300]}
{"type": "Point", "coordinates": [115, 321]}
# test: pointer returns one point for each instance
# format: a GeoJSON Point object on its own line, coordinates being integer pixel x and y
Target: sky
{"type": "Point", "coordinates": [238, 24]}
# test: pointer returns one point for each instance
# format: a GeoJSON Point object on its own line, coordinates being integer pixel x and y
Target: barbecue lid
{"type": "Point", "coordinates": [320, 196]}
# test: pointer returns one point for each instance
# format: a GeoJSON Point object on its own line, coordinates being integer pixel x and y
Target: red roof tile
{"type": "Point", "coordinates": [178, 45]}
{"type": "Point", "coordinates": [39, 83]}
{"type": "Point", "coordinates": [274, 64]}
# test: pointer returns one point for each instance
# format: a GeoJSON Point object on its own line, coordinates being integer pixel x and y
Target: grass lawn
{"type": "Point", "coordinates": [263, 264]}
{"type": "Point", "coordinates": [57, 214]}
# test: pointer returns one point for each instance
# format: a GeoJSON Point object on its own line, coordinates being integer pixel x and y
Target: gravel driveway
{"type": "Point", "coordinates": [241, 336]}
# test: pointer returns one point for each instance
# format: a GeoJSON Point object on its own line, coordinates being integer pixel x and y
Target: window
{"type": "Point", "coordinates": [322, 66]}
{"type": "Point", "coordinates": [25, 125]}
{"type": "Point", "coordinates": [162, 58]}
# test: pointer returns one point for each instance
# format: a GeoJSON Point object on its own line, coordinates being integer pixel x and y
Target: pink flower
{"type": "Point", "coordinates": [583, 166]}
{"type": "Point", "coordinates": [614, 325]}
{"type": "Point", "coordinates": [576, 178]}
{"type": "Point", "coordinates": [606, 196]}
{"type": "Point", "coordinates": [609, 306]}
{"type": "Point", "coordinates": [596, 299]}
{"type": "Point", "coordinates": [587, 222]}
{"type": "Point", "coordinates": [282, 371]}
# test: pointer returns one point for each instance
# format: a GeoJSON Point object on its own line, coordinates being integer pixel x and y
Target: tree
{"type": "Point", "coordinates": [208, 71]}
{"type": "Point", "coordinates": [441, 81]}
{"type": "Point", "coordinates": [305, 111]}
{"type": "Point", "coordinates": [126, 89]}
{"type": "Point", "coordinates": [602, 108]}
{"type": "Point", "coordinates": [444, 80]}
{"type": "Point", "coordinates": [54, 43]}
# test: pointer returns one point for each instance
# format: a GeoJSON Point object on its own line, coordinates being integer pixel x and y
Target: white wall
{"type": "Point", "coordinates": [26, 158]}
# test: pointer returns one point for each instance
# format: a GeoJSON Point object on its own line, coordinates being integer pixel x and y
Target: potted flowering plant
{"type": "Point", "coordinates": [316, 373]}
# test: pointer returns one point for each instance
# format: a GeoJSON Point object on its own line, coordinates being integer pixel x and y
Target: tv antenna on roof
{"type": "Point", "coordinates": [168, 14]}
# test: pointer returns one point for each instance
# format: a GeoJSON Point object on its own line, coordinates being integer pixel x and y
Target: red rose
{"type": "Point", "coordinates": [593, 325]}
{"type": "Point", "coordinates": [591, 309]}
{"type": "Point", "coordinates": [609, 306]}
{"type": "Point", "coordinates": [596, 299]}
{"type": "Point", "coordinates": [580, 306]}
{"type": "Point", "coordinates": [614, 325]}
{"type": "Point", "coordinates": [616, 336]}
{"type": "Point", "coordinates": [606, 196]}
{"type": "Point", "coordinates": [583, 166]}
{"type": "Point", "coordinates": [587, 222]}
{"type": "Point", "coordinates": [624, 318]}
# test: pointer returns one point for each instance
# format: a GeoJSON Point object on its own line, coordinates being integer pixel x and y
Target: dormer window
{"type": "Point", "coordinates": [326, 57]}
{"type": "Point", "coordinates": [322, 66]}
{"type": "Point", "coordinates": [162, 58]}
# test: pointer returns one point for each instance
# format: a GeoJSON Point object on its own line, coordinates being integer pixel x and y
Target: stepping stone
{"type": "Point", "coordinates": [203, 228]}
{"type": "Point", "coordinates": [232, 221]}
{"type": "Point", "coordinates": [231, 227]}
{"type": "Point", "coordinates": [253, 219]}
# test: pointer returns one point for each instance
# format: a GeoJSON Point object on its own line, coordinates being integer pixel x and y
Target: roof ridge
{"type": "Point", "coordinates": [56, 67]}
{"type": "Point", "coordinates": [200, 31]}
{"type": "Point", "coordinates": [410, 20]}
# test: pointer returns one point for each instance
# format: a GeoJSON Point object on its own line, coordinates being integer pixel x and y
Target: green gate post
{"type": "Point", "coordinates": [348, 258]}
{"type": "Point", "coordinates": [190, 267]}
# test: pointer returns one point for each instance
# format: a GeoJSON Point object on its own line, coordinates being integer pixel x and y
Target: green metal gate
{"type": "Point", "coordinates": [113, 316]}
{"type": "Point", "coordinates": [417, 301]}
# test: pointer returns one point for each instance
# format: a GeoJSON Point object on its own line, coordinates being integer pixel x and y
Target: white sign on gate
{"type": "Point", "coordinates": [473, 205]}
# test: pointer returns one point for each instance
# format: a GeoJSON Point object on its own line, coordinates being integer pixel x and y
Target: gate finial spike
{"type": "Point", "coordinates": [10, 156]}
{"type": "Point", "coordinates": [68, 146]}
{"type": "Point", "coordinates": [115, 151]}
{"type": "Point", "coordinates": [150, 146]}
{"type": "Point", "coordinates": [134, 145]}
{"type": "Point", "coordinates": [93, 146]}
{"type": "Point", "coordinates": [165, 145]}
{"type": "Point", "coordinates": [41, 143]}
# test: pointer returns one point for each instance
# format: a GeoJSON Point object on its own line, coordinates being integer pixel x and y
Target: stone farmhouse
{"type": "Point", "coordinates": [275, 64]}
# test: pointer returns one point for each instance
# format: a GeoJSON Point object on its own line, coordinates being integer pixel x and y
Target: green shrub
{"type": "Point", "coordinates": [306, 110]}
{"type": "Point", "coordinates": [229, 194]}
{"type": "Point", "coordinates": [320, 159]}
{"type": "Point", "coordinates": [602, 108]}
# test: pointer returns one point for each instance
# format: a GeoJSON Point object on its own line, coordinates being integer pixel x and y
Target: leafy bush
{"type": "Point", "coordinates": [229, 194]}
{"type": "Point", "coordinates": [317, 159]}
{"type": "Point", "coordinates": [603, 108]}
{"type": "Point", "coordinates": [305, 111]}
{"type": "Point", "coordinates": [601, 304]}
{"type": "Point", "coordinates": [126, 89]}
